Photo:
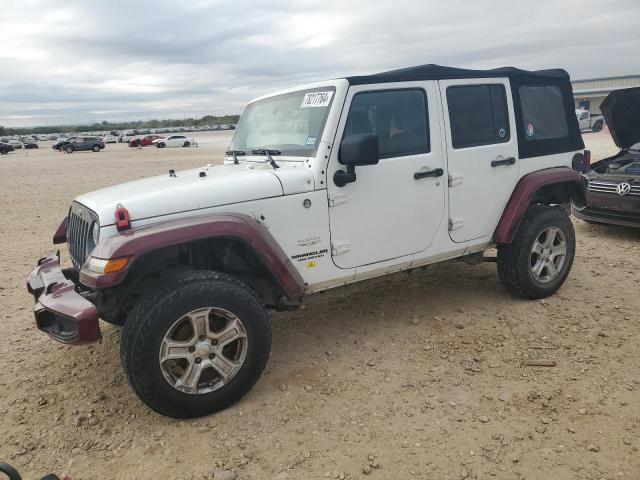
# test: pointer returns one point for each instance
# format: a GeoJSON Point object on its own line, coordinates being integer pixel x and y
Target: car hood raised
{"type": "Point", "coordinates": [184, 192]}
{"type": "Point", "coordinates": [621, 110]}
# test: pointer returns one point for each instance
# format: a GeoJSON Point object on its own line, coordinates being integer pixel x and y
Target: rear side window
{"type": "Point", "coordinates": [478, 115]}
{"type": "Point", "coordinates": [398, 117]}
{"type": "Point", "coordinates": [543, 112]}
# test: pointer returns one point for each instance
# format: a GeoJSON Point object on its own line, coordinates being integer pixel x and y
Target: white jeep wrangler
{"type": "Point", "coordinates": [323, 185]}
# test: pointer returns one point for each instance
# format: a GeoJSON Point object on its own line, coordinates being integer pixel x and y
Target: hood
{"type": "Point", "coordinates": [621, 110]}
{"type": "Point", "coordinates": [185, 191]}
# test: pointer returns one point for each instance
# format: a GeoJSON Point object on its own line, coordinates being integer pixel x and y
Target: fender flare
{"type": "Point", "coordinates": [136, 242]}
{"type": "Point", "coordinates": [524, 193]}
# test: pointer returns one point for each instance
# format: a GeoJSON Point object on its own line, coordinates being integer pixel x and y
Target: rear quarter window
{"type": "Point", "coordinates": [478, 115]}
{"type": "Point", "coordinates": [543, 112]}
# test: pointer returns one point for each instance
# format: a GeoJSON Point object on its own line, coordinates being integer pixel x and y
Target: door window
{"type": "Point", "coordinates": [478, 115]}
{"type": "Point", "coordinates": [398, 117]}
{"type": "Point", "coordinates": [543, 112]}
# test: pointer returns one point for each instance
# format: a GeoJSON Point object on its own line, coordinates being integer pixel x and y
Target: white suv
{"type": "Point", "coordinates": [323, 185]}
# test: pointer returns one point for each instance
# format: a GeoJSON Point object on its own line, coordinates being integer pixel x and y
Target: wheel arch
{"type": "Point", "coordinates": [234, 244]}
{"type": "Point", "coordinates": [552, 186]}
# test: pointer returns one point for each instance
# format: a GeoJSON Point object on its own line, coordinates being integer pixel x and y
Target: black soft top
{"type": "Point", "coordinates": [527, 147]}
{"type": "Point", "coordinates": [438, 72]}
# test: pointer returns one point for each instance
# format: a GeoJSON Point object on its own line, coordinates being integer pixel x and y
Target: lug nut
{"type": "Point", "coordinates": [214, 342]}
{"type": "Point", "coordinates": [212, 356]}
{"type": "Point", "coordinates": [198, 360]}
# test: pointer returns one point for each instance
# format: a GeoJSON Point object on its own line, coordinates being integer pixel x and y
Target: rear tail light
{"type": "Point", "coordinates": [587, 159]}
{"type": "Point", "coordinates": [582, 162]}
{"type": "Point", "coordinates": [123, 221]}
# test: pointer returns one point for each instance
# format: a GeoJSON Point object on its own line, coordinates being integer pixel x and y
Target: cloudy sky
{"type": "Point", "coordinates": [71, 61]}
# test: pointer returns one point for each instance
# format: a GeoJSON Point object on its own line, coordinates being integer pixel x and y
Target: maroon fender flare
{"type": "Point", "coordinates": [523, 194]}
{"type": "Point", "coordinates": [138, 241]}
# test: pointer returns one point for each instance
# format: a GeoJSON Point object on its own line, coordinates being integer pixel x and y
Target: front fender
{"type": "Point", "coordinates": [136, 242]}
{"type": "Point", "coordinates": [523, 194]}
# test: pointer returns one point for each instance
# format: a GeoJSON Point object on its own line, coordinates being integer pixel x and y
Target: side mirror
{"type": "Point", "coordinates": [358, 149]}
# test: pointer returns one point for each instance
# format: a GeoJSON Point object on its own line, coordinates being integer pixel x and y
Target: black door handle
{"type": "Point", "coordinates": [504, 161]}
{"type": "Point", "coordinates": [436, 172]}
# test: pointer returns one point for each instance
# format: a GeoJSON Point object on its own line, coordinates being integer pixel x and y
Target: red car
{"type": "Point", "coordinates": [145, 141]}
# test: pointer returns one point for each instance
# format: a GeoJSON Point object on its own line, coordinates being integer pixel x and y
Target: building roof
{"type": "Point", "coordinates": [439, 72]}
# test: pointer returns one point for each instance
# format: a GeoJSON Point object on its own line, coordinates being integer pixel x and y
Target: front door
{"type": "Point", "coordinates": [393, 209]}
{"type": "Point", "coordinates": [482, 151]}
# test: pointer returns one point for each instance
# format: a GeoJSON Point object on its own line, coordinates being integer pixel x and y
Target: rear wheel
{"type": "Point", "coordinates": [597, 126]}
{"type": "Point", "coordinates": [4, 152]}
{"type": "Point", "coordinates": [187, 144]}
{"type": "Point", "coordinates": [68, 149]}
{"type": "Point", "coordinates": [538, 261]}
{"type": "Point", "coordinates": [197, 345]}
{"type": "Point", "coordinates": [96, 148]}
{"type": "Point", "coordinates": [160, 144]}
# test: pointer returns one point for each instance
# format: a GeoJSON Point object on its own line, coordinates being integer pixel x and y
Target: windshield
{"type": "Point", "coordinates": [291, 123]}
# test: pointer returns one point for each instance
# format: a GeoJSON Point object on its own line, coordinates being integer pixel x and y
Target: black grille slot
{"type": "Point", "coordinates": [78, 232]}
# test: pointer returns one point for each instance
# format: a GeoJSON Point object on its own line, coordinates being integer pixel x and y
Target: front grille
{"type": "Point", "coordinates": [600, 186]}
{"type": "Point", "coordinates": [79, 235]}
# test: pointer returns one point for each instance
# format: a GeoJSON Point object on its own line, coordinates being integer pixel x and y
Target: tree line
{"type": "Point", "coordinates": [207, 120]}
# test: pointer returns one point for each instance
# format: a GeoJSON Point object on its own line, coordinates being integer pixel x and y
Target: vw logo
{"type": "Point", "coordinates": [623, 189]}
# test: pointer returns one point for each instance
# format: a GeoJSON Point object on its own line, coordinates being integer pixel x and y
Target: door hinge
{"type": "Point", "coordinates": [456, 179]}
{"type": "Point", "coordinates": [338, 248]}
{"type": "Point", "coordinates": [455, 223]}
{"type": "Point", "coordinates": [337, 199]}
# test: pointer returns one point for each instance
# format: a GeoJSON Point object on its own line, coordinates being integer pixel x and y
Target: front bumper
{"type": "Point", "coordinates": [60, 310]}
{"type": "Point", "coordinates": [590, 214]}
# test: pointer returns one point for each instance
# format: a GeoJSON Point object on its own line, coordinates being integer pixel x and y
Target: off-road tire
{"type": "Point", "coordinates": [154, 314]}
{"type": "Point", "coordinates": [597, 126]}
{"type": "Point", "coordinates": [514, 268]}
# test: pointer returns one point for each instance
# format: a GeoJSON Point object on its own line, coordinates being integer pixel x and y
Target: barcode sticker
{"type": "Point", "coordinates": [316, 99]}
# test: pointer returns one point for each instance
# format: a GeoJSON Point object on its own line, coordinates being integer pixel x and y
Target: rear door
{"type": "Point", "coordinates": [482, 151]}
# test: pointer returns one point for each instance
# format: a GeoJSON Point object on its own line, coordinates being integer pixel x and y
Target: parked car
{"type": "Point", "coordinates": [80, 144]}
{"type": "Point", "coordinates": [174, 141]}
{"type": "Point", "coordinates": [5, 148]}
{"type": "Point", "coordinates": [110, 139]}
{"type": "Point", "coordinates": [17, 144]}
{"type": "Point", "coordinates": [29, 144]}
{"type": "Point", "coordinates": [145, 141]}
{"type": "Point", "coordinates": [401, 169]}
{"type": "Point", "coordinates": [62, 142]}
{"type": "Point", "coordinates": [613, 191]}
{"type": "Point", "coordinates": [589, 121]}
{"type": "Point", "coordinates": [126, 137]}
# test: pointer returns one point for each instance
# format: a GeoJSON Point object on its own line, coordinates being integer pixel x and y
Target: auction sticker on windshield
{"type": "Point", "coordinates": [316, 99]}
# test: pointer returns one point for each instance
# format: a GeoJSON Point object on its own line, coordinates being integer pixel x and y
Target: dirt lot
{"type": "Point", "coordinates": [415, 376]}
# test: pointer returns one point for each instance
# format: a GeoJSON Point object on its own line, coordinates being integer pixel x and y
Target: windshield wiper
{"type": "Point", "coordinates": [268, 153]}
{"type": "Point", "coordinates": [235, 154]}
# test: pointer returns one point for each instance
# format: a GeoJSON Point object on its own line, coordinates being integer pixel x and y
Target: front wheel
{"type": "Point", "coordinates": [597, 126]}
{"type": "Point", "coordinates": [187, 144]}
{"type": "Point", "coordinates": [96, 148]}
{"type": "Point", "coordinates": [69, 149]}
{"type": "Point", "coordinates": [160, 145]}
{"type": "Point", "coordinates": [197, 345]}
{"type": "Point", "coordinates": [4, 152]}
{"type": "Point", "coordinates": [538, 261]}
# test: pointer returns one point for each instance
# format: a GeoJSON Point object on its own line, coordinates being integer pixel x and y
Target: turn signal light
{"type": "Point", "coordinates": [100, 265]}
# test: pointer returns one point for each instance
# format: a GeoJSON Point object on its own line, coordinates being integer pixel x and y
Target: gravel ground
{"type": "Point", "coordinates": [417, 376]}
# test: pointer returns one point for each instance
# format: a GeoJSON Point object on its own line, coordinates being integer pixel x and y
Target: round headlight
{"type": "Point", "coordinates": [95, 231]}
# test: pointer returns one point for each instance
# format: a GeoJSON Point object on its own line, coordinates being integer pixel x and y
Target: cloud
{"type": "Point", "coordinates": [78, 61]}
